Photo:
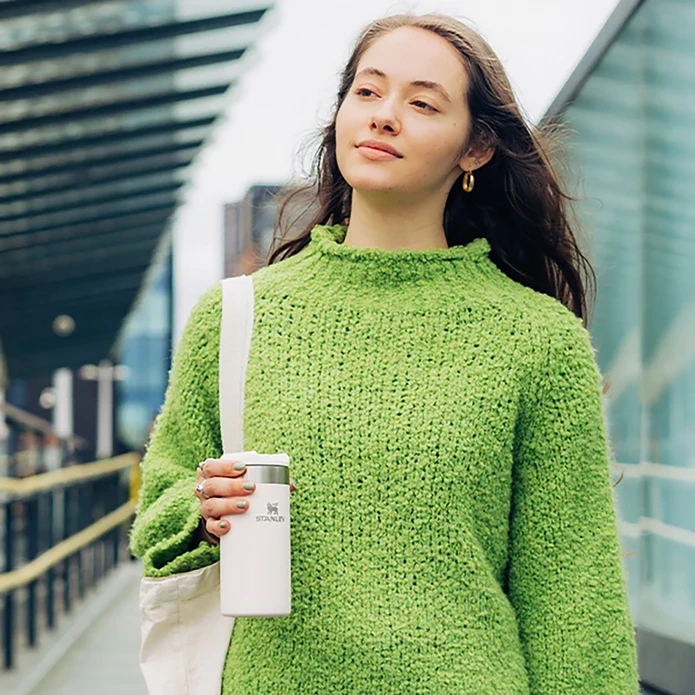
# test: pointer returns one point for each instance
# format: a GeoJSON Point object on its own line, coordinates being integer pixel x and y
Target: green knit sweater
{"type": "Point", "coordinates": [453, 525]}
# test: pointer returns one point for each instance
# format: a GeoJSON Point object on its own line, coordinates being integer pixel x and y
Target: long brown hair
{"type": "Point", "coordinates": [519, 202]}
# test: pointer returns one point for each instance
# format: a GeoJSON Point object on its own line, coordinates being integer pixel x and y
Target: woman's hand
{"type": "Point", "coordinates": [222, 492]}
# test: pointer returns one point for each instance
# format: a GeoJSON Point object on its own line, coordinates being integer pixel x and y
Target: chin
{"type": "Point", "coordinates": [374, 187]}
{"type": "Point", "coordinates": [373, 182]}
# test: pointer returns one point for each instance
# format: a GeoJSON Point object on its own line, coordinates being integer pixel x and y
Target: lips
{"type": "Point", "coordinates": [382, 146]}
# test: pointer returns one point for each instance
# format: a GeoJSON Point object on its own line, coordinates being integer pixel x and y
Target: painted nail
{"type": "Point", "coordinates": [241, 504]}
{"type": "Point", "coordinates": [239, 466]}
{"type": "Point", "coordinates": [248, 486]}
{"type": "Point", "coordinates": [223, 524]}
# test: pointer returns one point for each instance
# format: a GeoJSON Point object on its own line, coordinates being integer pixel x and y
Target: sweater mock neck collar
{"type": "Point", "coordinates": [328, 240]}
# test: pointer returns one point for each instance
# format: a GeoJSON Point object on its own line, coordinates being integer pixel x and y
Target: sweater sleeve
{"type": "Point", "coordinates": [566, 579]}
{"type": "Point", "coordinates": [186, 431]}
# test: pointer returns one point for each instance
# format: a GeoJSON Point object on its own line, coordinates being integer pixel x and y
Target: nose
{"type": "Point", "coordinates": [384, 117]}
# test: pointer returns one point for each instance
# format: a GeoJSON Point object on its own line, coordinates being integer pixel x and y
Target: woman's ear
{"type": "Point", "coordinates": [477, 156]}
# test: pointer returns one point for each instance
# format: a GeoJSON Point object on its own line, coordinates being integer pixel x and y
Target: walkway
{"type": "Point", "coordinates": [96, 652]}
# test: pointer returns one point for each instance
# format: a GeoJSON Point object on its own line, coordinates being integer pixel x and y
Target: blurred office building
{"type": "Point", "coordinates": [248, 229]}
{"type": "Point", "coordinates": [249, 225]}
{"type": "Point", "coordinates": [631, 107]}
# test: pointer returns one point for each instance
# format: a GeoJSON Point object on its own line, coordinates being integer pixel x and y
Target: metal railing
{"type": "Point", "coordinates": [63, 525]}
{"type": "Point", "coordinates": [51, 522]}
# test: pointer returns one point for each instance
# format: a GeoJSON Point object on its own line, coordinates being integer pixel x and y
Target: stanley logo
{"type": "Point", "coordinates": [272, 514]}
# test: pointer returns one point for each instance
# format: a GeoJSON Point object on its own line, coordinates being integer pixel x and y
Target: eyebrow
{"type": "Point", "coordinates": [427, 84]}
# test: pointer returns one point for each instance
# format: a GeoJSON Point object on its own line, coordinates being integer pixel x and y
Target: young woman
{"type": "Point", "coordinates": [420, 352]}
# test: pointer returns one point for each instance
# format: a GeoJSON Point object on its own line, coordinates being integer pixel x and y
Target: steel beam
{"type": "Point", "coordinates": [112, 108]}
{"type": "Point", "coordinates": [81, 169]}
{"type": "Point", "coordinates": [102, 200]}
{"type": "Point", "coordinates": [103, 41]}
{"type": "Point", "coordinates": [90, 142]}
{"type": "Point", "coordinates": [95, 222]}
{"type": "Point", "coordinates": [94, 182]}
{"type": "Point", "coordinates": [101, 78]}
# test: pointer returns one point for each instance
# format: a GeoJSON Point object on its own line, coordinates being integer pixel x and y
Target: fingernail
{"type": "Point", "coordinates": [247, 486]}
{"type": "Point", "coordinates": [241, 504]}
{"type": "Point", "coordinates": [223, 524]}
{"type": "Point", "coordinates": [239, 466]}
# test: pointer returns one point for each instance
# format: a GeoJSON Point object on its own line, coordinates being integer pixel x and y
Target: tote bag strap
{"type": "Point", "coordinates": [185, 637]}
{"type": "Point", "coordinates": [235, 344]}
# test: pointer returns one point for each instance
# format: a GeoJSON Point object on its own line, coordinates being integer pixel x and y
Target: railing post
{"type": "Point", "coordinates": [9, 598]}
{"type": "Point", "coordinates": [8, 612]}
{"type": "Point", "coordinates": [115, 501]}
{"type": "Point", "coordinates": [86, 554]}
{"type": "Point", "coordinates": [50, 573]}
{"type": "Point", "coordinates": [67, 532]}
{"type": "Point", "coordinates": [99, 511]}
{"type": "Point", "coordinates": [78, 500]}
{"type": "Point", "coordinates": [32, 513]}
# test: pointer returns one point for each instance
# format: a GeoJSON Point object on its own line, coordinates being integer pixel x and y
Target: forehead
{"type": "Point", "coordinates": [411, 53]}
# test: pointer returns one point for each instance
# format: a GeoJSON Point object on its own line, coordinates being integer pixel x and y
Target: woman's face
{"type": "Point", "coordinates": [408, 93]}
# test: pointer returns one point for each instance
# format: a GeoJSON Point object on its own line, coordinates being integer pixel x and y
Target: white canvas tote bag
{"type": "Point", "coordinates": [184, 636]}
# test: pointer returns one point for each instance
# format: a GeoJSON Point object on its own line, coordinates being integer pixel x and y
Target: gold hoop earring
{"type": "Point", "coordinates": [468, 181]}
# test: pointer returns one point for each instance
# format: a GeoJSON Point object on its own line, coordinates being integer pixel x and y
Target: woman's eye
{"type": "Point", "coordinates": [427, 106]}
{"type": "Point", "coordinates": [421, 104]}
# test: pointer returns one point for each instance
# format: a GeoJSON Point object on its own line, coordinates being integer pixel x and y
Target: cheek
{"type": "Point", "coordinates": [340, 139]}
{"type": "Point", "coordinates": [344, 124]}
{"type": "Point", "coordinates": [346, 134]}
{"type": "Point", "coordinates": [339, 129]}
{"type": "Point", "coordinates": [440, 147]}
{"type": "Point", "coordinates": [341, 125]}
{"type": "Point", "coordinates": [460, 139]}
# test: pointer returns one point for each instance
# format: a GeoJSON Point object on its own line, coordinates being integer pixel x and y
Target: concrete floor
{"type": "Point", "coordinates": [105, 656]}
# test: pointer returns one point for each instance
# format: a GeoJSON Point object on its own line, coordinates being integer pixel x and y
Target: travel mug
{"type": "Point", "coordinates": [255, 574]}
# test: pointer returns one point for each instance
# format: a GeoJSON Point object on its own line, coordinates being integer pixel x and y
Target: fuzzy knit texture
{"type": "Point", "coordinates": [453, 525]}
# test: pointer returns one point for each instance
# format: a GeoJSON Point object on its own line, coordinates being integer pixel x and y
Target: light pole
{"type": "Point", "coordinates": [104, 374]}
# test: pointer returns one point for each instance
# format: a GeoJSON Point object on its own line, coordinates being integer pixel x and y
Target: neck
{"type": "Point", "coordinates": [396, 224]}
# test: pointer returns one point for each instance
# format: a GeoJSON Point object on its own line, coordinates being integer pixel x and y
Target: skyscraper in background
{"type": "Point", "coordinates": [249, 227]}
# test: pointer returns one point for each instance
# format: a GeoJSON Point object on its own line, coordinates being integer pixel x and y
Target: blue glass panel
{"type": "Point", "coordinates": [634, 147]}
{"type": "Point", "coordinates": [145, 350]}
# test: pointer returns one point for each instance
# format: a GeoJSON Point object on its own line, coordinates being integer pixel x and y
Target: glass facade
{"type": "Point", "coordinates": [634, 144]}
{"type": "Point", "coordinates": [145, 351]}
